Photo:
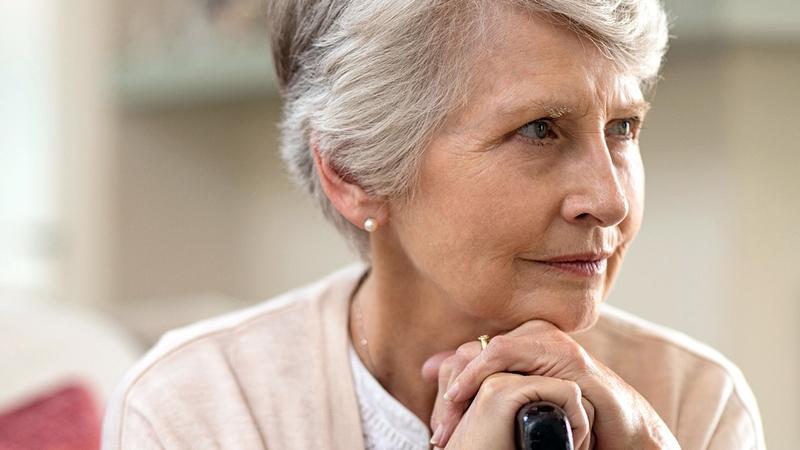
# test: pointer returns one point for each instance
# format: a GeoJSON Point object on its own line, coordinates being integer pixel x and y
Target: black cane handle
{"type": "Point", "coordinates": [542, 426]}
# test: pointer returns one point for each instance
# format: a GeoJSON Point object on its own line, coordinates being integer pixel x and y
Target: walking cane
{"type": "Point", "coordinates": [542, 426]}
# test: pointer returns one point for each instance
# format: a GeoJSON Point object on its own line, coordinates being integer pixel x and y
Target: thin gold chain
{"type": "Point", "coordinates": [362, 331]}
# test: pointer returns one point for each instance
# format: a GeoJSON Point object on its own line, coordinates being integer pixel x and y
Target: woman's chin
{"type": "Point", "coordinates": [567, 311]}
{"type": "Point", "coordinates": [583, 321]}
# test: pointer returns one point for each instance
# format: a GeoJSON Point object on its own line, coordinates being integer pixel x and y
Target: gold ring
{"type": "Point", "coordinates": [484, 339]}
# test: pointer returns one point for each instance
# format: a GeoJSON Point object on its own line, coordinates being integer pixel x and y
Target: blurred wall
{"type": "Point", "coordinates": [86, 114]}
{"type": "Point", "coordinates": [56, 177]}
{"type": "Point", "coordinates": [716, 255]}
{"type": "Point", "coordinates": [206, 206]}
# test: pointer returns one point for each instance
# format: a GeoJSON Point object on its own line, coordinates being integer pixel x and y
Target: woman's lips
{"type": "Point", "coordinates": [579, 268]}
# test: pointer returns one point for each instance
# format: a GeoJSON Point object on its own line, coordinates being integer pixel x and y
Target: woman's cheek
{"type": "Point", "coordinates": [634, 180]}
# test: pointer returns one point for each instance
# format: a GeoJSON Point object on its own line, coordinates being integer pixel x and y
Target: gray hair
{"type": "Point", "coordinates": [373, 80]}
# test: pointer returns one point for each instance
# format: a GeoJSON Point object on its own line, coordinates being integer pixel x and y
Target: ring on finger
{"type": "Point", "coordinates": [484, 340]}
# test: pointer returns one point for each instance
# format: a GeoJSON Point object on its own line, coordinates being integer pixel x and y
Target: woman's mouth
{"type": "Point", "coordinates": [585, 265]}
{"type": "Point", "coordinates": [579, 268]}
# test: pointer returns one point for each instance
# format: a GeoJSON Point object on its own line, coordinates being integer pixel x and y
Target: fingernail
{"type": "Point", "coordinates": [437, 435]}
{"type": "Point", "coordinates": [452, 392]}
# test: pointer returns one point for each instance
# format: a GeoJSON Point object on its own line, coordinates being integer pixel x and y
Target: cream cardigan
{"type": "Point", "coordinates": [277, 376]}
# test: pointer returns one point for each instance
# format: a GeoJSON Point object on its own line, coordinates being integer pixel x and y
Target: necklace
{"type": "Point", "coordinates": [362, 331]}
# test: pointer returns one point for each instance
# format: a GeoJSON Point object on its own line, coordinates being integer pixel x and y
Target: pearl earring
{"type": "Point", "coordinates": [370, 224]}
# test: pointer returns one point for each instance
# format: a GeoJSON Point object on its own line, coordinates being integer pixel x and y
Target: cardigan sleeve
{"type": "Point", "coordinates": [131, 431]}
{"type": "Point", "coordinates": [739, 426]}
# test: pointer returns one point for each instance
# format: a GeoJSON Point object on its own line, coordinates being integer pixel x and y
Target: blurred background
{"type": "Point", "coordinates": [141, 189]}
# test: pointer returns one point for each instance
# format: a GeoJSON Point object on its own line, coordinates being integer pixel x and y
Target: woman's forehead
{"type": "Point", "coordinates": [528, 63]}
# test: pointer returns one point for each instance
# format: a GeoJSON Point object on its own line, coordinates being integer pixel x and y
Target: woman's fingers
{"type": "Point", "coordinates": [446, 414]}
{"type": "Point", "coordinates": [562, 358]}
{"type": "Point", "coordinates": [589, 408]}
{"type": "Point", "coordinates": [501, 391]}
{"type": "Point", "coordinates": [430, 369]}
{"type": "Point", "coordinates": [446, 411]}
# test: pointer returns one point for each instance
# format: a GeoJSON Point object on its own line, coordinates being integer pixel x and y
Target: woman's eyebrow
{"type": "Point", "coordinates": [557, 109]}
{"type": "Point", "coordinates": [552, 108]}
{"type": "Point", "coordinates": [638, 108]}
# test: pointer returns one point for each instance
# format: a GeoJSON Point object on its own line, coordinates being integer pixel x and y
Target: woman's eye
{"type": "Point", "coordinates": [537, 130]}
{"type": "Point", "coordinates": [624, 128]}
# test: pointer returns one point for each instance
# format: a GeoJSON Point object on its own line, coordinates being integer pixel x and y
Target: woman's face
{"type": "Point", "coordinates": [542, 163]}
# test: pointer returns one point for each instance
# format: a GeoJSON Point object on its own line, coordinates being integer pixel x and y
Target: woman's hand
{"type": "Point", "coordinates": [489, 420]}
{"type": "Point", "coordinates": [618, 416]}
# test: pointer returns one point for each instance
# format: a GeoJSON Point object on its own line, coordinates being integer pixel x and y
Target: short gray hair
{"type": "Point", "coordinates": [373, 80]}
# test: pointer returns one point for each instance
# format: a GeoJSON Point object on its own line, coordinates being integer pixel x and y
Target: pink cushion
{"type": "Point", "coordinates": [63, 419]}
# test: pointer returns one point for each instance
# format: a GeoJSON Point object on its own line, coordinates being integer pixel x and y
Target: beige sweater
{"type": "Point", "coordinates": [277, 376]}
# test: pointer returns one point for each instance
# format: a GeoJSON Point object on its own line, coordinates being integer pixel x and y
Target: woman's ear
{"type": "Point", "coordinates": [352, 202]}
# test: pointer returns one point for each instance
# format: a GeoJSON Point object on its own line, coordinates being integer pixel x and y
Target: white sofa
{"type": "Point", "coordinates": [45, 343]}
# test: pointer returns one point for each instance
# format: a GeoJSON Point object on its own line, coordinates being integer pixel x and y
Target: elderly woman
{"type": "Point", "coordinates": [483, 159]}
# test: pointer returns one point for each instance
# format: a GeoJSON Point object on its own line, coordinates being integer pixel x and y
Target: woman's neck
{"type": "Point", "coordinates": [405, 320]}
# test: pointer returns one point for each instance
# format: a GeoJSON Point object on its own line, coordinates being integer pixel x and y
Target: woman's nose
{"type": "Point", "coordinates": [597, 195]}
